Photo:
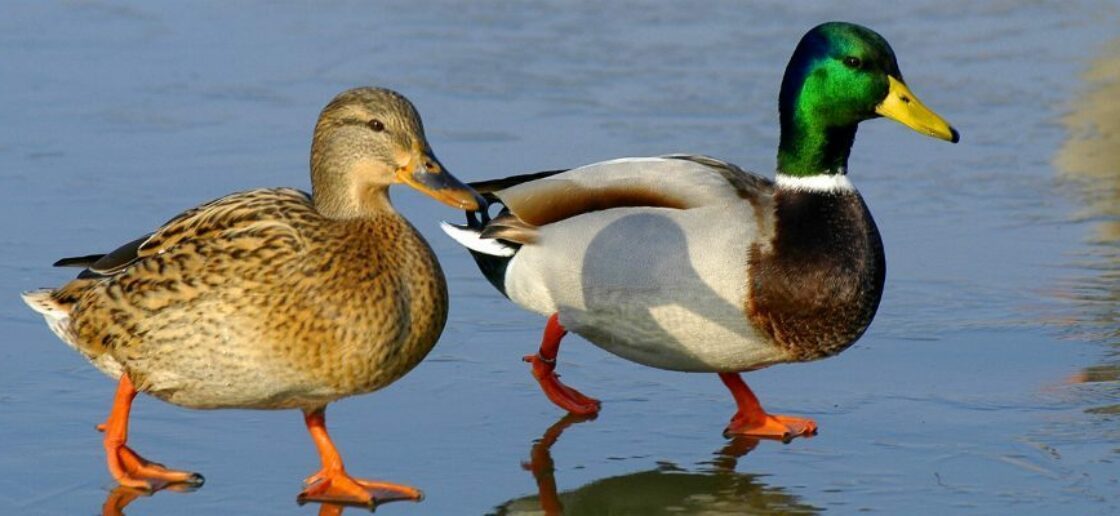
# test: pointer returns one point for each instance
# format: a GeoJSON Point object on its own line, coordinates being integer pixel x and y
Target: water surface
{"type": "Point", "coordinates": [988, 382]}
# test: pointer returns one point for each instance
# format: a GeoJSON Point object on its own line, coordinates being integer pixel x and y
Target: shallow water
{"type": "Point", "coordinates": [988, 382]}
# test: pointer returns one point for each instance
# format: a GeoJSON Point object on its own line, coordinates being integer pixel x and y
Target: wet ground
{"type": "Point", "coordinates": [988, 383]}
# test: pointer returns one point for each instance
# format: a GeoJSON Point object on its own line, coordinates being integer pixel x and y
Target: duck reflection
{"type": "Point", "coordinates": [1090, 160]}
{"type": "Point", "coordinates": [335, 509]}
{"type": "Point", "coordinates": [121, 496]}
{"type": "Point", "coordinates": [713, 489]}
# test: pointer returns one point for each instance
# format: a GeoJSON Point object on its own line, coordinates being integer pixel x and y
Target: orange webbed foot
{"type": "Point", "coordinates": [338, 487]}
{"type": "Point", "coordinates": [770, 426]}
{"type": "Point", "coordinates": [132, 470]}
{"type": "Point", "coordinates": [128, 467]}
{"type": "Point", "coordinates": [561, 395]}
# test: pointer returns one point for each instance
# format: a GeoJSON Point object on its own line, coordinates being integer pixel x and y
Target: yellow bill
{"type": "Point", "coordinates": [902, 106]}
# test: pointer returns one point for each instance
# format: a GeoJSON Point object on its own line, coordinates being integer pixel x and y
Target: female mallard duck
{"type": "Point", "coordinates": [691, 264]}
{"type": "Point", "coordinates": [273, 298]}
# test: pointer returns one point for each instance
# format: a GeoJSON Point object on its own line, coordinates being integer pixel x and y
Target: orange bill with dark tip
{"type": "Point", "coordinates": [425, 173]}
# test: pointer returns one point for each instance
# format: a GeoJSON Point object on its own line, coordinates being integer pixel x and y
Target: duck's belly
{"type": "Point", "coordinates": [275, 360]}
{"type": "Point", "coordinates": [675, 338]}
{"type": "Point", "coordinates": [662, 287]}
{"type": "Point", "coordinates": [231, 362]}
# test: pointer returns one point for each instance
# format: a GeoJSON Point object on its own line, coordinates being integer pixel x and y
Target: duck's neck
{"type": "Point", "coordinates": [346, 189]}
{"type": "Point", "coordinates": [809, 148]}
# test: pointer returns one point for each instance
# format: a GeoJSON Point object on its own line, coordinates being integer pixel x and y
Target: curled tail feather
{"type": "Point", "coordinates": [56, 313]}
{"type": "Point", "coordinates": [42, 300]}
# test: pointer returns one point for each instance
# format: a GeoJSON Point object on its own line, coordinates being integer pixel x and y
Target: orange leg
{"type": "Point", "coordinates": [752, 420]}
{"type": "Point", "coordinates": [333, 484]}
{"type": "Point", "coordinates": [128, 467]}
{"type": "Point", "coordinates": [544, 366]}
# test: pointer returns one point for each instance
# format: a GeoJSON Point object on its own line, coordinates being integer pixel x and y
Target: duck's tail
{"type": "Point", "coordinates": [493, 243]}
{"type": "Point", "coordinates": [56, 313]}
{"type": "Point", "coordinates": [491, 255]}
{"type": "Point", "coordinates": [471, 238]}
{"type": "Point", "coordinates": [42, 301]}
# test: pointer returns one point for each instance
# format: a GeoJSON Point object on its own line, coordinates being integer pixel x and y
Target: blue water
{"type": "Point", "coordinates": [988, 382]}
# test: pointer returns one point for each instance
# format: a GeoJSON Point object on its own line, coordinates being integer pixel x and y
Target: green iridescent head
{"type": "Point", "coordinates": [840, 75]}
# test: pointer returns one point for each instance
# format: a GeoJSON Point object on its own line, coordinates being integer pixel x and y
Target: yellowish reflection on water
{"type": "Point", "coordinates": [1090, 159]}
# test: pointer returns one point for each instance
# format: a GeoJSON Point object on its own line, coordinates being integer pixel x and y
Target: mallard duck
{"type": "Point", "coordinates": [689, 263]}
{"type": "Point", "coordinates": [273, 298]}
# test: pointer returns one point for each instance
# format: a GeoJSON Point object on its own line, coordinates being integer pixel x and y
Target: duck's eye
{"type": "Point", "coordinates": [852, 62]}
{"type": "Point", "coordinates": [376, 125]}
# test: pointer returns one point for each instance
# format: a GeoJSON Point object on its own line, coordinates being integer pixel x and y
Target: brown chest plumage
{"type": "Point", "coordinates": [816, 286]}
{"type": "Point", "coordinates": [362, 312]}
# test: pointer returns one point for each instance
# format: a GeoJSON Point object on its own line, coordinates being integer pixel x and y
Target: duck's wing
{"type": "Point", "coordinates": [266, 210]}
{"type": "Point", "coordinates": [677, 181]}
{"type": "Point", "coordinates": [533, 202]}
{"type": "Point", "coordinates": [746, 184]}
{"type": "Point", "coordinates": [489, 187]}
{"type": "Point", "coordinates": [260, 230]}
{"type": "Point", "coordinates": [99, 265]}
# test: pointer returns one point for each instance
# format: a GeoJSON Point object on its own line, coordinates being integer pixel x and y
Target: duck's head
{"type": "Point", "coordinates": [840, 75]}
{"type": "Point", "coordinates": [368, 139]}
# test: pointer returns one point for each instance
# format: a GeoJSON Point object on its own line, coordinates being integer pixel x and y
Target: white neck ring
{"type": "Point", "coordinates": [822, 183]}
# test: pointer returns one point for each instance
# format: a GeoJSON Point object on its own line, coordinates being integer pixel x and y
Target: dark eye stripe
{"type": "Point", "coordinates": [376, 125]}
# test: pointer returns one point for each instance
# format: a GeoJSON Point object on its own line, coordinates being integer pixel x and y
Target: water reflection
{"type": "Point", "coordinates": [121, 496]}
{"type": "Point", "coordinates": [336, 509]}
{"type": "Point", "coordinates": [714, 488]}
{"type": "Point", "coordinates": [1089, 159]}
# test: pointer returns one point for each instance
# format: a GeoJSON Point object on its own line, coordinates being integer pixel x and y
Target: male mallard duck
{"type": "Point", "coordinates": [273, 298]}
{"type": "Point", "coordinates": [692, 264]}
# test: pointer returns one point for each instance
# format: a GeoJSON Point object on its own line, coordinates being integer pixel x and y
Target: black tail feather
{"type": "Point", "coordinates": [78, 261]}
{"type": "Point", "coordinates": [494, 267]}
